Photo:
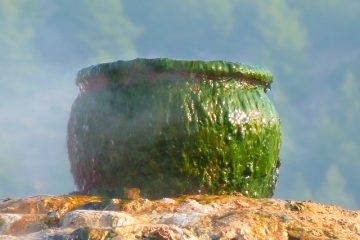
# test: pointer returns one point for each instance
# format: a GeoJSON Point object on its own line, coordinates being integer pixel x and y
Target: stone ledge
{"type": "Point", "coordinates": [187, 217]}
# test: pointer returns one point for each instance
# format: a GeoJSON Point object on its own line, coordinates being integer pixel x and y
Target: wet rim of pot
{"type": "Point", "coordinates": [127, 71]}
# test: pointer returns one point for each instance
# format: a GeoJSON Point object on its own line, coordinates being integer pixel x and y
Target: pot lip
{"type": "Point", "coordinates": [216, 69]}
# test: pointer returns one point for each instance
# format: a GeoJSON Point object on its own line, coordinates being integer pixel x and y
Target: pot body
{"type": "Point", "coordinates": [172, 134]}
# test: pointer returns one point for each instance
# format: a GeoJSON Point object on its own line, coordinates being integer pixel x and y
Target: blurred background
{"type": "Point", "coordinates": [312, 47]}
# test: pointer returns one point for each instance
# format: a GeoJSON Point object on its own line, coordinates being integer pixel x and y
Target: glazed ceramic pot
{"type": "Point", "coordinates": [170, 127]}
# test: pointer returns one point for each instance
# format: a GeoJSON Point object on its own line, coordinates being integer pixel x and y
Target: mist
{"type": "Point", "coordinates": [311, 48]}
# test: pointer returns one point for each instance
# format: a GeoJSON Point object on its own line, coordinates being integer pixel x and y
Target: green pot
{"type": "Point", "coordinates": [173, 127]}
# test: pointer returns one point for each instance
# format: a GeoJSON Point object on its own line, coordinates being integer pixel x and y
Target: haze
{"type": "Point", "coordinates": [312, 47]}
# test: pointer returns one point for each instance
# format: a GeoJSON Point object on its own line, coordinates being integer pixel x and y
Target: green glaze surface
{"type": "Point", "coordinates": [172, 127]}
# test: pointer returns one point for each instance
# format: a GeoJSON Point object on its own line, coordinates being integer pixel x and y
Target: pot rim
{"type": "Point", "coordinates": [214, 70]}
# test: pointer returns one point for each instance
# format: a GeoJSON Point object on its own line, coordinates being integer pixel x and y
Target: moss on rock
{"type": "Point", "coordinates": [172, 127]}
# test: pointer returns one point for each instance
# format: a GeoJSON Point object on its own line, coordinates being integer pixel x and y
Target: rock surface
{"type": "Point", "coordinates": [187, 217]}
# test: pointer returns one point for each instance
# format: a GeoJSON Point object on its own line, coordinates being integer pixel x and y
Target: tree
{"type": "Point", "coordinates": [334, 189]}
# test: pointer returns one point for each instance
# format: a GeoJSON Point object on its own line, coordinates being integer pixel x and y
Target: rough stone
{"type": "Point", "coordinates": [97, 219]}
{"type": "Point", "coordinates": [187, 217]}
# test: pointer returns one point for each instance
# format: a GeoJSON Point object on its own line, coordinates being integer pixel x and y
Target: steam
{"type": "Point", "coordinates": [33, 125]}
